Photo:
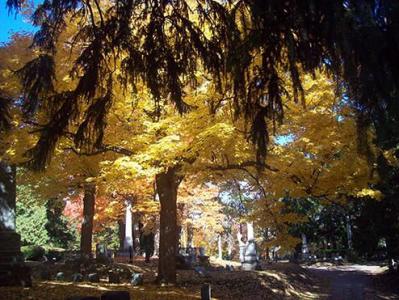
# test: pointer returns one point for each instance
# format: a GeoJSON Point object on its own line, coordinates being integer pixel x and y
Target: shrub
{"type": "Point", "coordinates": [55, 254]}
{"type": "Point", "coordinates": [34, 253]}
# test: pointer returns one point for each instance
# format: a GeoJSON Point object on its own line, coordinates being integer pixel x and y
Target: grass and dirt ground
{"type": "Point", "coordinates": [276, 281]}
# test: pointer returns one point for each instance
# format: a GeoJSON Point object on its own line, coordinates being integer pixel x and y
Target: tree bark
{"type": "Point", "coordinates": [349, 231]}
{"type": "Point", "coordinates": [220, 247]}
{"type": "Point", "coordinates": [128, 242]}
{"type": "Point", "coordinates": [89, 201]}
{"type": "Point", "coordinates": [7, 196]}
{"type": "Point", "coordinates": [13, 271]}
{"type": "Point", "coordinates": [167, 184]}
{"type": "Point", "coordinates": [156, 239]}
{"type": "Point", "coordinates": [121, 230]}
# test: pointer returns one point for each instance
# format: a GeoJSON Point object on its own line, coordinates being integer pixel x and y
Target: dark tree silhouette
{"type": "Point", "coordinates": [159, 42]}
{"type": "Point", "coordinates": [246, 46]}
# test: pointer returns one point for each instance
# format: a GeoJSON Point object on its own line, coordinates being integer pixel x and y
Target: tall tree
{"type": "Point", "coordinates": [163, 43]}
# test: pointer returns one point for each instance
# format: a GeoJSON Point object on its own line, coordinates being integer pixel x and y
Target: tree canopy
{"type": "Point", "coordinates": [242, 45]}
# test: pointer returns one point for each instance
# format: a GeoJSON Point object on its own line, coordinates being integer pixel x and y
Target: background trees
{"type": "Point", "coordinates": [107, 84]}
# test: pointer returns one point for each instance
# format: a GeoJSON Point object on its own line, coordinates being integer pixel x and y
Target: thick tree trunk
{"type": "Point", "coordinates": [12, 269]}
{"type": "Point", "coordinates": [121, 230]}
{"type": "Point", "coordinates": [89, 201]}
{"type": "Point", "coordinates": [167, 184]}
{"type": "Point", "coordinates": [7, 196]}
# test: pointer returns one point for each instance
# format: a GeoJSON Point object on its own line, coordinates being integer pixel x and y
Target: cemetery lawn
{"type": "Point", "coordinates": [275, 281]}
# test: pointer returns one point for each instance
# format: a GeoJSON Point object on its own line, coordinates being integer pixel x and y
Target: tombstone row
{"type": "Point", "coordinates": [113, 277]}
{"type": "Point", "coordinates": [124, 295]}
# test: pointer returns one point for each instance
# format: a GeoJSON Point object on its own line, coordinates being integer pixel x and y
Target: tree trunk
{"type": "Point", "coordinates": [89, 201]}
{"type": "Point", "coordinates": [121, 227]}
{"type": "Point", "coordinates": [128, 242]}
{"type": "Point", "coordinates": [305, 248]}
{"type": "Point", "coordinates": [156, 239]}
{"type": "Point", "coordinates": [220, 247]}
{"type": "Point", "coordinates": [349, 231]}
{"type": "Point", "coordinates": [13, 271]}
{"type": "Point", "coordinates": [250, 231]}
{"type": "Point", "coordinates": [167, 184]}
{"type": "Point", "coordinates": [7, 196]}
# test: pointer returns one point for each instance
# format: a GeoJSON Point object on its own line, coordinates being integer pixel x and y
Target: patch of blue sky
{"type": "Point", "coordinates": [12, 22]}
{"type": "Point", "coordinates": [285, 139]}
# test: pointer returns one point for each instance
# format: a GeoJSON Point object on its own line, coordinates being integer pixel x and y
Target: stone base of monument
{"type": "Point", "coordinates": [15, 275]}
{"type": "Point", "coordinates": [13, 271]}
{"type": "Point", "coordinates": [123, 256]}
{"type": "Point", "coordinates": [250, 260]}
{"type": "Point", "coordinates": [249, 266]}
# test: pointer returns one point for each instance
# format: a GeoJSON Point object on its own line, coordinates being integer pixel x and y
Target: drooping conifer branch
{"type": "Point", "coordinates": [251, 47]}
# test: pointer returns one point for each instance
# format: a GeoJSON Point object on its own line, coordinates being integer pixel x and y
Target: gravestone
{"type": "Point", "coordinates": [13, 271]}
{"type": "Point", "coordinates": [82, 298]}
{"type": "Point", "coordinates": [93, 277]}
{"type": "Point", "coordinates": [102, 253]}
{"type": "Point", "coordinates": [77, 277]}
{"type": "Point", "coordinates": [201, 271]}
{"type": "Point", "coordinates": [45, 274]}
{"type": "Point", "coordinates": [60, 276]}
{"type": "Point", "coordinates": [229, 268]}
{"type": "Point", "coordinates": [183, 262]}
{"type": "Point", "coordinates": [137, 279]}
{"type": "Point", "coordinates": [206, 292]}
{"type": "Point", "coordinates": [113, 277]}
{"type": "Point", "coordinates": [203, 260]}
{"type": "Point", "coordinates": [115, 295]}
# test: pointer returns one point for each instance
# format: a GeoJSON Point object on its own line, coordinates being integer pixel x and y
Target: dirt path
{"type": "Point", "coordinates": [352, 282]}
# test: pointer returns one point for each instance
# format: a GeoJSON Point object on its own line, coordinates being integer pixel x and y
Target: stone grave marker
{"type": "Point", "coordinates": [206, 293]}
{"type": "Point", "coordinates": [77, 277]}
{"type": "Point", "coordinates": [113, 277]}
{"type": "Point", "coordinates": [82, 298]}
{"type": "Point", "coordinates": [116, 295]}
{"type": "Point", "coordinates": [93, 277]}
{"type": "Point", "coordinates": [137, 279]}
{"type": "Point", "coordinates": [60, 276]}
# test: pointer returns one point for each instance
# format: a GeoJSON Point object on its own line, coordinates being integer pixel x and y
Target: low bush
{"type": "Point", "coordinates": [34, 253]}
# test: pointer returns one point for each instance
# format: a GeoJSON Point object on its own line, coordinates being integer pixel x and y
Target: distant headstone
{"type": "Point", "coordinates": [93, 277]}
{"type": "Point", "coordinates": [77, 277]}
{"type": "Point", "coordinates": [60, 276]}
{"type": "Point", "coordinates": [201, 271]}
{"type": "Point", "coordinates": [183, 262]}
{"type": "Point", "coordinates": [82, 298]}
{"type": "Point", "coordinates": [206, 292]}
{"type": "Point", "coordinates": [393, 265]}
{"type": "Point", "coordinates": [203, 260]}
{"type": "Point", "coordinates": [116, 295]}
{"type": "Point", "coordinates": [45, 275]}
{"type": "Point", "coordinates": [229, 268]}
{"type": "Point", "coordinates": [242, 252]}
{"type": "Point", "coordinates": [101, 253]}
{"type": "Point", "coordinates": [113, 277]}
{"type": "Point", "coordinates": [137, 279]}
